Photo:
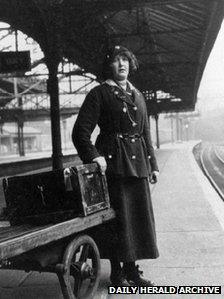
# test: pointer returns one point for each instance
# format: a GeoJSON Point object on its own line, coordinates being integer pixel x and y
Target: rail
{"type": "Point", "coordinates": [213, 167]}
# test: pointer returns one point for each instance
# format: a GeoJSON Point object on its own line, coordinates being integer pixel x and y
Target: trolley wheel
{"type": "Point", "coordinates": [82, 263]}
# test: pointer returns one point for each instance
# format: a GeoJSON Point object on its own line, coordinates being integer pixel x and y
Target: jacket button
{"type": "Point", "coordinates": [135, 108]}
{"type": "Point", "coordinates": [124, 110]}
{"type": "Point", "coordinates": [133, 157]}
{"type": "Point", "coordinates": [149, 157]}
{"type": "Point", "coordinates": [110, 156]}
{"type": "Point", "coordinates": [133, 140]}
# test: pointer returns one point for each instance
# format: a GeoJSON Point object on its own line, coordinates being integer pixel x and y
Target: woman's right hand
{"type": "Point", "coordinates": [102, 163]}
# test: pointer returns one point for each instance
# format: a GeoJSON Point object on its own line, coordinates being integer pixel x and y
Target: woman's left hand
{"type": "Point", "coordinates": [102, 163]}
{"type": "Point", "coordinates": [154, 177]}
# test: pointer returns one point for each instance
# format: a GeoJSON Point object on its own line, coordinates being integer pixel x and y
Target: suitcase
{"type": "Point", "coordinates": [55, 196]}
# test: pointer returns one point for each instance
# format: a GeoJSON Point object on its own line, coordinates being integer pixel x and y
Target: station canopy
{"type": "Point", "coordinates": [172, 39]}
{"type": "Point", "coordinates": [25, 86]}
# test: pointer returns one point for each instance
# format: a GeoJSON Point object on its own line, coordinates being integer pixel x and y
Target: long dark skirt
{"type": "Point", "coordinates": [132, 235]}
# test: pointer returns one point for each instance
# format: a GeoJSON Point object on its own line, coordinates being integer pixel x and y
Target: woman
{"type": "Point", "coordinates": [124, 151]}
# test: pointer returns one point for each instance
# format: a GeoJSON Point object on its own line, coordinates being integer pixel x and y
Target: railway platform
{"type": "Point", "coordinates": [190, 228]}
{"type": "Point", "coordinates": [33, 155]}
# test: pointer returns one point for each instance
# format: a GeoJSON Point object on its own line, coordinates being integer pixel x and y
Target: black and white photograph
{"type": "Point", "coordinates": [111, 149]}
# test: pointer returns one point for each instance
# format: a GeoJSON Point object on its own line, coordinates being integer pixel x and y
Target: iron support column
{"type": "Point", "coordinates": [53, 91]}
{"type": "Point", "coordinates": [157, 131]}
{"type": "Point", "coordinates": [1, 133]}
{"type": "Point", "coordinates": [177, 127]}
{"type": "Point", "coordinates": [20, 124]}
{"type": "Point", "coordinates": [20, 121]}
{"type": "Point", "coordinates": [172, 135]}
{"type": "Point", "coordinates": [181, 129]}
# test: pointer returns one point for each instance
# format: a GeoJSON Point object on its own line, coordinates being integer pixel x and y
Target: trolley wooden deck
{"type": "Point", "coordinates": [80, 256]}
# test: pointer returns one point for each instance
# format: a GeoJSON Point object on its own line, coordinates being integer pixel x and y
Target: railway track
{"type": "Point", "coordinates": [212, 163]}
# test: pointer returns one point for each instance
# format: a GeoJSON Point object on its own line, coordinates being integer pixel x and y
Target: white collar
{"type": "Point", "coordinates": [113, 83]}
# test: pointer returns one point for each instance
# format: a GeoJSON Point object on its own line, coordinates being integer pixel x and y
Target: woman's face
{"type": "Point", "coordinates": [120, 67]}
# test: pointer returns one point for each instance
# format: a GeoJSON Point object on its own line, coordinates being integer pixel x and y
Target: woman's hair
{"type": "Point", "coordinates": [111, 54]}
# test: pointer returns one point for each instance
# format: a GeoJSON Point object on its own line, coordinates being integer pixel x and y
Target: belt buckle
{"type": "Point", "coordinates": [126, 135]}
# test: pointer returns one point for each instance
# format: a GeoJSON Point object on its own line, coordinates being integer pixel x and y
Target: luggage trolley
{"type": "Point", "coordinates": [46, 243]}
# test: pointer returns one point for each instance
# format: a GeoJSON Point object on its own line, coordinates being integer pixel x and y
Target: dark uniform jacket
{"type": "Point", "coordinates": [124, 138]}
